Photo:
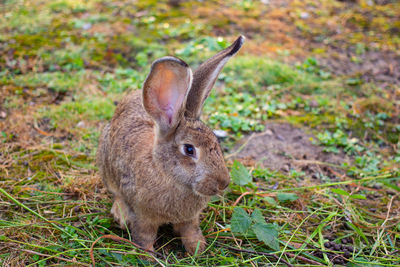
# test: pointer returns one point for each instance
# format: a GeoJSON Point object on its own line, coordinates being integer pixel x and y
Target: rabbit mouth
{"type": "Point", "coordinates": [207, 188]}
{"type": "Point", "coordinates": [206, 194]}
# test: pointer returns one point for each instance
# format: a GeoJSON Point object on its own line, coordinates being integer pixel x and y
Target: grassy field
{"type": "Point", "coordinates": [65, 64]}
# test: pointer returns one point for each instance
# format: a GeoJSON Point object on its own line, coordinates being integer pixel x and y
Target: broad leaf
{"type": "Point", "coordinates": [284, 197]}
{"type": "Point", "coordinates": [257, 216]}
{"type": "Point", "coordinates": [267, 233]}
{"type": "Point", "coordinates": [340, 191]}
{"type": "Point", "coordinates": [270, 201]}
{"type": "Point", "coordinates": [240, 175]}
{"type": "Point", "coordinates": [357, 196]}
{"type": "Point", "coordinates": [241, 221]}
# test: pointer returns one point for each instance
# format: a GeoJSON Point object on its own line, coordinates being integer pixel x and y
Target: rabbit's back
{"type": "Point", "coordinates": [125, 140]}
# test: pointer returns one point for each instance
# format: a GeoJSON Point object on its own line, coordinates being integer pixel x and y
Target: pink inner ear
{"type": "Point", "coordinates": [169, 98]}
{"type": "Point", "coordinates": [169, 111]}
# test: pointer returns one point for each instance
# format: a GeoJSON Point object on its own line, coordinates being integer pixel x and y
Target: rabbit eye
{"type": "Point", "coordinates": [189, 150]}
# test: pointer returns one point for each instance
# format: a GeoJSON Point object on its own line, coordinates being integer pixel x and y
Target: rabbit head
{"type": "Point", "coordinates": [185, 148]}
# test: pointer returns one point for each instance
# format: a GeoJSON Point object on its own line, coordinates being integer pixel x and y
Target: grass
{"type": "Point", "coordinates": [65, 64]}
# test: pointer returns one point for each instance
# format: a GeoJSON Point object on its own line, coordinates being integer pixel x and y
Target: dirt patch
{"type": "Point", "coordinates": [382, 67]}
{"type": "Point", "coordinates": [283, 147]}
{"type": "Point", "coordinates": [348, 37]}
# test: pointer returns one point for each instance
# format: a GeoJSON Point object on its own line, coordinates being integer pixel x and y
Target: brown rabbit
{"type": "Point", "coordinates": [156, 157]}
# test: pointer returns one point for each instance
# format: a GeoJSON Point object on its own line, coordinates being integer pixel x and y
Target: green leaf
{"type": "Point", "coordinates": [340, 191]}
{"type": "Point", "coordinates": [270, 201]}
{"type": "Point", "coordinates": [267, 233]}
{"type": "Point", "coordinates": [287, 197]}
{"type": "Point", "coordinates": [257, 216]}
{"type": "Point", "coordinates": [353, 81]}
{"type": "Point", "coordinates": [357, 196]}
{"type": "Point", "coordinates": [240, 175]}
{"type": "Point", "coordinates": [241, 221]}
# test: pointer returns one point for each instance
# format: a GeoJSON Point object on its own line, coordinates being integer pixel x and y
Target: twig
{"type": "Point", "coordinates": [389, 207]}
{"type": "Point", "coordinates": [36, 127]}
{"type": "Point", "coordinates": [316, 162]}
{"type": "Point", "coordinates": [382, 227]}
{"type": "Point", "coordinates": [240, 197]}
{"type": "Point", "coordinates": [121, 239]}
{"type": "Point", "coordinates": [303, 259]}
{"type": "Point", "coordinates": [335, 172]}
{"type": "Point", "coordinates": [217, 232]}
{"type": "Point", "coordinates": [240, 148]}
{"type": "Point", "coordinates": [245, 143]}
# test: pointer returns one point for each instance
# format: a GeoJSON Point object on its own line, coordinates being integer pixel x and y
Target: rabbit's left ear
{"type": "Point", "coordinates": [165, 91]}
{"type": "Point", "coordinates": [205, 76]}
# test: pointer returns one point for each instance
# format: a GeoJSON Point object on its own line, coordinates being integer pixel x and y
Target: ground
{"type": "Point", "coordinates": [285, 148]}
{"type": "Point", "coordinates": [310, 106]}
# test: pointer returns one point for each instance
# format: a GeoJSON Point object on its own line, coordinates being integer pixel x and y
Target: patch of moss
{"type": "Point", "coordinates": [313, 120]}
{"type": "Point", "coordinates": [264, 72]}
{"type": "Point", "coordinates": [57, 81]}
{"type": "Point", "coordinates": [96, 108]}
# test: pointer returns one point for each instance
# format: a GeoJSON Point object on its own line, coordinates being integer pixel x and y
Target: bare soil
{"type": "Point", "coordinates": [382, 67]}
{"type": "Point", "coordinates": [283, 147]}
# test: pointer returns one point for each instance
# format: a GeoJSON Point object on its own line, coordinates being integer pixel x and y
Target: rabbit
{"type": "Point", "coordinates": [158, 160]}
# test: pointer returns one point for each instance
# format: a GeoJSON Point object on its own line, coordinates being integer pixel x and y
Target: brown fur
{"type": "Point", "coordinates": [141, 162]}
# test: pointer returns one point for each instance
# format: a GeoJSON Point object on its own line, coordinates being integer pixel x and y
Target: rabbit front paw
{"type": "Point", "coordinates": [194, 244]}
{"type": "Point", "coordinates": [122, 213]}
{"type": "Point", "coordinates": [191, 235]}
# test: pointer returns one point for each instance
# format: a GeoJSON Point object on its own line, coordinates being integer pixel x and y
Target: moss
{"type": "Point", "coordinates": [96, 108]}
{"type": "Point", "coordinates": [313, 120]}
{"type": "Point", "coordinates": [265, 72]}
{"type": "Point", "coordinates": [57, 81]}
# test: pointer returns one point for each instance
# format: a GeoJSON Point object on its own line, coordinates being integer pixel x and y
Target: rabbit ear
{"type": "Point", "coordinates": [205, 76]}
{"type": "Point", "coordinates": [165, 91]}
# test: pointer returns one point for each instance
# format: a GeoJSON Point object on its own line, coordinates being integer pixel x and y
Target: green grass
{"type": "Point", "coordinates": [65, 64]}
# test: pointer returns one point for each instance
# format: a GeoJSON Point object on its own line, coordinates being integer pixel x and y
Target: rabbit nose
{"type": "Point", "coordinates": [223, 183]}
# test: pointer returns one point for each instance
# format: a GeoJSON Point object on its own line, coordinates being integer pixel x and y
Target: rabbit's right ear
{"type": "Point", "coordinates": [204, 78]}
{"type": "Point", "coordinates": [165, 91]}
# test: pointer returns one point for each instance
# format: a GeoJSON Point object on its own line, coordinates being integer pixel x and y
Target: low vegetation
{"type": "Point", "coordinates": [64, 65]}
